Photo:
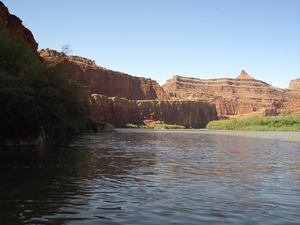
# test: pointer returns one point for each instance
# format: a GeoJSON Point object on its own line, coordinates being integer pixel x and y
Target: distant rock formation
{"type": "Point", "coordinates": [13, 25]}
{"type": "Point", "coordinates": [108, 82]}
{"type": "Point", "coordinates": [244, 75]}
{"type": "Point", "coordinates": [295, 83]}
{"type": "Point", "coordinates": [116, 110]}
{"type": "Point", "coordinates": [241, 96]}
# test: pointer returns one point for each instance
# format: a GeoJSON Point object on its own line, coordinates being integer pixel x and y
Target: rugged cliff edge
{"type": "Point", "coordinates": [116, 110]}
{"type": "Point", "coordinates": [13, 25]}
{"type": "Point", "coordinates": [108, 82]}
{"type": "Point", "coordinates": [241, 96]}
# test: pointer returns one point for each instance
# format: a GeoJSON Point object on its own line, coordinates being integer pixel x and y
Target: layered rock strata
{"type": "Point", "coordinates": [14, 27]}
{"type": "Point", "coordinates": [241, 96]}
{"type": "Point", "coordinates": [108, 82]}
{"type": "Point", "coordinates": [116, 110]}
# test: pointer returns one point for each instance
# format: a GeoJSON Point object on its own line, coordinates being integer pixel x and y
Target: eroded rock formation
{"type": "Point", "coordinates": [13, 25]}
{"type": "Point", "coordinates": [108, 82]}
{"type": "Point", "coordinates": [240, 96]}
{"type": "Point", "coordinates": [116, 110]}
{"type": "Point", "coordinates": [244, 75]}
{"type": "Point", "coordinates": [295, 83]}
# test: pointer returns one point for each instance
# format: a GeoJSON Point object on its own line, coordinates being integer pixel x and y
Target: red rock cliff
{"type": "Point", "coordinates": [117, 110]}
{"type": "Point", "coordinates": [243, 95]}
{"type": "Point", "coordinates": [108, 82]}
{"type": "Point", "coordinates": [13, 25]}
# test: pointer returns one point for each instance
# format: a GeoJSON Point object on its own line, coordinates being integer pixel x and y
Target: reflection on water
{"type": "Point", "coordinates": [154, 177]}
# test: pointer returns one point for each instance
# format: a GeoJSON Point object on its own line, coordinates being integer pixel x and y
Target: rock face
{"type": "Point", "coordinates": [240, 96]}
{"type": "Point", "coordinates": [295, 83]}
{"type": "Point", "coordinates": [13, 25]}
{"type": "Point", "coordinates": [108, 82]}
{"type": "Point", "coordinates": [116, 110]}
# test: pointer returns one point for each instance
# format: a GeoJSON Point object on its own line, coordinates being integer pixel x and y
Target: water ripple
{"type": "Point", "coordinates": [154, 177]}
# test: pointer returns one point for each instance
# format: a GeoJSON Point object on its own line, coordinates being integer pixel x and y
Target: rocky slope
{"type": "Point", "coordinates": [116, 110]}
{"type": "Point", "coordinates": [108, 82]}
{"type": "Point", "coordinates": [240, 96]}
{"type": "Point", "coordinates": [13, 25]}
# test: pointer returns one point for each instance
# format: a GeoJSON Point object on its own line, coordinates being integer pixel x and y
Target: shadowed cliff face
{"type": "Point", "coordinates": [13, 25]}
{"type": "Point", "coordinates": [241, 96]}
{"type": "Point", "coordinates": [108, 82]}
{"type": "Point", "coordinates": [117, 110]}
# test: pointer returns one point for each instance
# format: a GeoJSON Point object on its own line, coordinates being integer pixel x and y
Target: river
{"type": "Point", "coordinates": [136, 176]}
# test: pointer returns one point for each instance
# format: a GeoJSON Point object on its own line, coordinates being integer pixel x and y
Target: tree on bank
{"type": "Point", "coordinates": [36, 97]}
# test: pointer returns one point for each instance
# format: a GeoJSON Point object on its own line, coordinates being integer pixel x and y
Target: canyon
{"type": "Point", "coordinates": [119, 98]}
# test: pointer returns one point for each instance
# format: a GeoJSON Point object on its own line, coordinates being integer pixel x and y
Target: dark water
{"type": "Point", "coordinates": [155, 177]}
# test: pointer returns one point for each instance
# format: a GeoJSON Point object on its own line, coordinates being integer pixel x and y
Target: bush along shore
{"type": "Point", "coordinates": [269, 123]}
{"type": "Point", "coordinates": [38, 99]}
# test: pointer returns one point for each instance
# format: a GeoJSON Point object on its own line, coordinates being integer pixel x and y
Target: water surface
{"type": "Point", "coordinates": [154, 177]}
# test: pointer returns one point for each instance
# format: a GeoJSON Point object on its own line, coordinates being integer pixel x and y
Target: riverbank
{"type": "Point", "coordinates": [269, 123]}
{"type": "Point", "coordinates": [152, 126]}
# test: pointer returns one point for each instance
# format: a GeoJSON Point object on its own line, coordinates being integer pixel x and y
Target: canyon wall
{"type": "Point", "coordinates": [108, 82]}
{"type": "Point", "coordinates": [241, 96]}
{"type": "Point", "coordinates": [119, 98]}
{"type": "Point", "coordinates": [14, 27]}
{"type": "Point", "coordinates": [116, 110]}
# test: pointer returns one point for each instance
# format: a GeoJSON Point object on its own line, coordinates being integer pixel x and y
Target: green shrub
{"type": "Point", "coordinates": [282, 123]}
{"type": "Point", "coordinates": [37, 98]}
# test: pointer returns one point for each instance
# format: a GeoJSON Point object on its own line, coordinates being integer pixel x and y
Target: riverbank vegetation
{"type": "Point", "coordinates": [270, 123]}
{"type": "Point", "coordinates": [38, 98]}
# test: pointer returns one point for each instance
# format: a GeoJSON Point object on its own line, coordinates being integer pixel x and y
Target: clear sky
{"type": "Point", "coordinates": [158, 39]}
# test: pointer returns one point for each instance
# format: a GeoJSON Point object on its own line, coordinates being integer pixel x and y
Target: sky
{"type": "Point", "coordinates": [157, 39]}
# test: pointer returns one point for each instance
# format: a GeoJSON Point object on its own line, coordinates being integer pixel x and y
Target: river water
{"type": "Point", "coordinates": [136, 176]}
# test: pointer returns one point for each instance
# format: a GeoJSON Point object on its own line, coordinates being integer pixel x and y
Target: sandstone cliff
{"type": "Point", "coordinates": [13, 25]}
{"type": "Point", "coordinates": [295, 83]}
{"type": "Point", "coordinates": [240, 96]}
{"type": "Point", "coordinates": [108, 82]}
{"type": "Point", "coordinates": [117, 110]}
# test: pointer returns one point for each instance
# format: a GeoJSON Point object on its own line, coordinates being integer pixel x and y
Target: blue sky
{"type": "Point", "coordinates": [158, 39]}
